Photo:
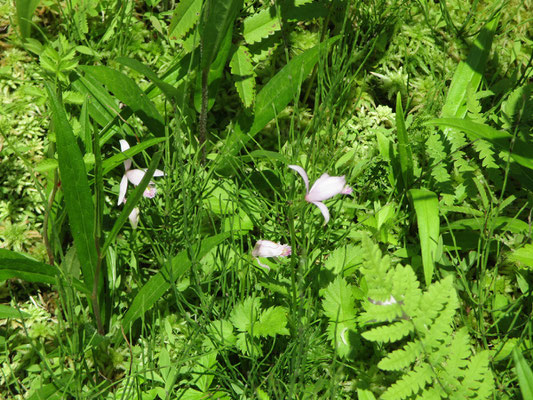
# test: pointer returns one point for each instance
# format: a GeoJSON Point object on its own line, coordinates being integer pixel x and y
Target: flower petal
{"type": "Point", "coordinates": [135, 176]}
{"type": "Point", "coordinates": [267, 248]}
{"type": "Point", "coordinates": [263, 265]}
{"type": "Point", "coordinates": [326, 187]}
{"type": "Point", "coordinates": [122, 190]}
{"type": "Point", "coordinates": [158, 172]}
{"type": "Point", "coordinates": [323, 209]}
{"type": "Point", "coordinates": [150, 192]}
{"type": "Point", "coordinates": [347, 190]}
{"type": "Point", "coordinates": [134, 217]}
{"type": "Point", "coordinates": [123, 147]}
{"type": "Point", "coordinates": [303, 174]}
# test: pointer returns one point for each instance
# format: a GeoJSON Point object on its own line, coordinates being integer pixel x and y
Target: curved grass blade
{"type": "Point", "coordinates": [117, 159]}
{"type": "Point", "coordinates": [127, 91]}
{"type": "Point", "coordinates": [160, 282]}
{"type": "Point", "coordinates": [404, 150]}
{"type": "Point", "coordinates": [426, 205]}
{"type": "Point", "coordinates": [525, 375]}
{"type": "Point", "coordinates": [75, 185]}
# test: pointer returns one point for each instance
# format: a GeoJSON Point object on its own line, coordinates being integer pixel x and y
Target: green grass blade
{"type": "Point", "coordinates": [75, 185]}
{"type": "Point", "coordinates": [25, 9]}
{"type": "Point", "coordinates": [127, 91]}
{"type": "Point", "coordinates": [160, 283]}
{"type": "Point", "coordinates": [170, 91]}
{"type": "Point", "coordinates": [117, 160]}
{"type": "Point", "coordinates": [404, 149]}
{"type": "Point", "coordinates": [525, 375]}
{"type": "Point", "coordinates": [273, 98]}
{"type": "Point", "coordinates": [522, 151]}
{"type": "Point", "coordinates": [426, 205]}
{"type": "Point", "coordinates": [132, 201]}
{"type": "Point", "coordinates": [469, 73]}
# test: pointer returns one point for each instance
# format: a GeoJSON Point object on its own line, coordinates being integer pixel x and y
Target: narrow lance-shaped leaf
{"type": "Point", "coordinates": [426, 205]}
{"type": "Point", "coordinates": [469, 73]}
{"type": "Point", "coordinates": [525, 375]}
{"type": "Point", "coordinates": [25, 9]}
{"type": "Point", "coordinates": [404, 149]}
{"type": "Point", "coordinates": [218, 17]}
{"type": "Point", "coordinates": [75, 186]}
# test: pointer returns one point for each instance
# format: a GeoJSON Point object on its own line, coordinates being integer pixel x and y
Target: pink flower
{"type": "Point", "coordinates": [134, 176]}
{"type": "Point", "coordinates": [267, 249]}
{"type": "Point", "coordinates": [134, 217]}
{"type": "Point", "coordinates": [324, 188]}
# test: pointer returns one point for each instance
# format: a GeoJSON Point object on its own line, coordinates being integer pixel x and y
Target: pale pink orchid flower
{"type": "Point", "coordinates": [134, 217]}
{"type": "Point", "coordinates": [267, 249]}
{"type": "Point", "coordinates": [135, 176]}
{"type": "Point", "coordinates": [324, 188]}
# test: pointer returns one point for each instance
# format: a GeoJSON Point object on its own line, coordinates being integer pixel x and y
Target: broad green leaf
{"type": "Point", "coordinates": [243, 75]}
{"type": "Point", "coordinates": [404, 148]}
{"type": "Point", "coordinates": [127, 91]}
{"type": "Point", "coordinates": [133, 199]}
{"type": "Point", "coordinates": [245, 314]}
{"type": "Point", "coordinates": [339, 301]}
{"type": "Point", "coordinates": [343, 259]}
{"type": "Point", "coordinates": [11, 312]}
{"type": "Point", "coordinates": [25, 9]}
{"type": "Point", "coordinates": [426, 205]}
{"type": "Point", "coordinates": [160, 282]}
{"type": "Point", "coordinates": [522, 151]}
{"type": "Point", "coordinates": [218, 18]}
{"type": "Point", "coordinates": [272, 322]}
{"type": "Point", "coordinates": [469, 73]}
{"type": "Point", "coordinates": [524, 373]}
{"type": "Point", "coordinates": [17, 265]}
{"type": "Point", "coordinates": [169, 90]}
{"type": "Point", "coordinates": [186, 15]}
{"type": "Point", "coordinates": [76, 190]}
{"type": "Point", "coordinates": [365, 395]}
{"type": "Point", "coordinates": [261, 24]}
{"type": "Point", "coordinates": [116, 160]}
{"type": "Point", "coordinates": [523, 256]}
{"type": "Point", "coordinates": [273, 99]}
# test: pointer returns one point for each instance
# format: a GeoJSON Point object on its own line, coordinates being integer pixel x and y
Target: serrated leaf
{"type": "Point", "coordinates": [246, 314]}
{"type": "Point", "coordinates": [243, 75]}
{"type": "Point", "coordinates": [339, 301]}
{"type": "Point", "coordinates": [261, 25]}
{"type": "Point", "coordinates": [186, 15]}
{"type": "Point", "coordinates": [272, 322]}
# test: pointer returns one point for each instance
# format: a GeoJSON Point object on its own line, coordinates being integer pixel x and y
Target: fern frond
{"type": "Point", "coordinates": [410, 383]}
{"type": "Point", "coordinates": [389, 333]}
{"type": "Point", "coordinates": [401, 358]}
